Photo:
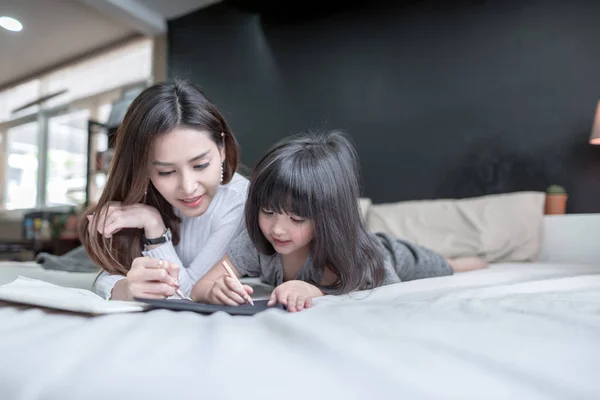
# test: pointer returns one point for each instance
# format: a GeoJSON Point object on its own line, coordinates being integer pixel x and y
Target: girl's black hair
{"type": "Point", "coordinates": [315, 176]}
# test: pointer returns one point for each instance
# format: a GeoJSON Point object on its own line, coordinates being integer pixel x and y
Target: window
{"type": "Point", "coordinates": [44, 148]}
{"type": "Point", "coordinates": [21, 175]}
{"type": "Point", "coordinates": [66, 165]}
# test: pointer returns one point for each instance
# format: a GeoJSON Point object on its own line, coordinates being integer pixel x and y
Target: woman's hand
{"type": "Point", "coordinates": [226, 290]}
{"type": "Point", "coordinates": [152, 278]}
{"type": "Point", "coordinates": [295, 295]}
{"type": "Point", "coordinates": [116, 216]}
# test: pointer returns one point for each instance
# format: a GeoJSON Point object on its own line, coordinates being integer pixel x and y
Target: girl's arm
{"type": "Point", "coordinates": [217, 287]}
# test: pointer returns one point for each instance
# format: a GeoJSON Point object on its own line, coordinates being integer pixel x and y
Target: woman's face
{"type": "Point", "coordinates": [185, 167]}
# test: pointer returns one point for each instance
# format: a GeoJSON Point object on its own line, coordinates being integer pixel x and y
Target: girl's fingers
{"type": "Point", "coordinates": [234, 286]}
{"type": "Point", "coordinates": [272, 299]}
{"type": "Point", "coordinates": [248, 289]}
{"type": "Point", "coordinates": [281, 298]}
{"type": "Point", "coordinates": [291, 302]}
{"type": "Point", "coordinates": [234, 296]}
{"type": "Point", "coordinates": [308, 303]}
{"type": "Point", "coordinates": [223, 299]}
{"type": "Point", "coordinates": [300, 303]}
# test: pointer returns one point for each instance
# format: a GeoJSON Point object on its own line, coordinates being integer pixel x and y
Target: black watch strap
{"type": "Point", "coordinates": [165, 237]}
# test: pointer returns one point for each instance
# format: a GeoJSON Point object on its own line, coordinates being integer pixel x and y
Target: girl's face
{"type": "Point", "coordinates": [287, 233]}
{"type": "Point", "coordinates": [185, 167]}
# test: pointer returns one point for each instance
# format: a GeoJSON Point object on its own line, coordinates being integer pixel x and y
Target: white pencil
{"type": "Point", "coordinates": [231, 274]}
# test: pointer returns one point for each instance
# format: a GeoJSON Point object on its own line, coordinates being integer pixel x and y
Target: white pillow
{"type": "Point", "coordinates": [499, 228]}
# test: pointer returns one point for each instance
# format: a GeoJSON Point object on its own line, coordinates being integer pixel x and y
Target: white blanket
{"type": "Point", "coordinates": [513, 331]}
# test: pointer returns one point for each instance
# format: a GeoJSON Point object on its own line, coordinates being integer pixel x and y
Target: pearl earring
{"type": "Point", "coordinates": [222, 172]}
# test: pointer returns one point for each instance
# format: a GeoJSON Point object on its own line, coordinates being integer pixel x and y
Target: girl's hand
{"type": "Point", "coordinates": [115, 217]}
{"type": "Point", "coordinates": [152, 278]}
{"type": "Point", "coordinates": [295, 295]}
{"type": "Point", "coordinates": [227, 291]}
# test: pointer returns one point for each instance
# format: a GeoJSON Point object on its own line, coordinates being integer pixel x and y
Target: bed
{"type": "Point", "coordinates": [516, 330]}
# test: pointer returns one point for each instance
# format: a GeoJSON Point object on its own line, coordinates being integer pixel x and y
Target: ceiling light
{"type": "Point", "coordinates": [10, 24]}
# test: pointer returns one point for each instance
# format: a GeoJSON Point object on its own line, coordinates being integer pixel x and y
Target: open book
{"type": "Point", "coordinates": [43, 294]}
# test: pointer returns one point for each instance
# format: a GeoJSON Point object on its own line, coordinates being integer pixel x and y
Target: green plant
{"type": "Point", "coordinates": [555, 189]}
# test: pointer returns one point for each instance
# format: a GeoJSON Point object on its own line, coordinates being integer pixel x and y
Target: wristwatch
{"type": "Point", "coordinates": [164, 238]}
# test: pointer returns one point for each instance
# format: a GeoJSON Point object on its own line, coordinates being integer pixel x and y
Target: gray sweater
{"type": "Point", "coordinates": [402, 261]}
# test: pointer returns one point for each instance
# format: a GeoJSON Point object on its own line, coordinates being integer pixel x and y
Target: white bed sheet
{"type": "Point", "coordinates": [513, 331]}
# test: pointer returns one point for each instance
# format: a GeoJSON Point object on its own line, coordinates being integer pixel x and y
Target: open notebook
{"type": "Point", "coordinates": [38, 293]}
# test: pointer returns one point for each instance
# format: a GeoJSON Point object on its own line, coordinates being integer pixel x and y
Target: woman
{"type": "Point", "coordinates": [172, 194]}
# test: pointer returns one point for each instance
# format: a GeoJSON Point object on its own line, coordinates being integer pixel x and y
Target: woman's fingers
{"type": "Point", "coordinates": [113, 218]}
{"type": "Point", "coordinates": [150, 296]}
{"type": "Point", "coordinates": [146, 269]}
{"type": "Point", "coordinates": [140, 289]}
{"type": "Point", "coordinates": [172, 269]}
{"type": "Point", "coordinates": [156, 274]}
{"type": "Point", "coordinates": [111, 227]}
{"type": "Point", "coordinates": [147, 262]}
{"type": "Point", "coordinates": [102, 225]}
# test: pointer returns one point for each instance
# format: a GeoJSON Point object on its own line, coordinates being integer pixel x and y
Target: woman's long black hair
{"type": "Point", "coordinates": [315, 176]}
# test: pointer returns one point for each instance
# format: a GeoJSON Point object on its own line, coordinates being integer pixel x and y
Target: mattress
{"type": "Point", "coordinates": [512, 331]}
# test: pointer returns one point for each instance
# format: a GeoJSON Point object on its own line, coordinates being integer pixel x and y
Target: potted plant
{"type": "Point", "coordinates": [556, 200]}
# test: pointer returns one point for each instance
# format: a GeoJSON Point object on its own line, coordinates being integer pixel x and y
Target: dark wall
{"type": "Point", "coordinates": [442, 98]}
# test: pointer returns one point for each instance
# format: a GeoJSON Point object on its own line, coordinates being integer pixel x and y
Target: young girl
{"type": "Point", "coordinates": [172, 195]}
{"type": "Point", "coordinates": [305, 235]}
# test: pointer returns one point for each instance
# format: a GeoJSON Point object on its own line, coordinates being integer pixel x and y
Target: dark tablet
{"type": "Point", "coordinates": [186, 305]}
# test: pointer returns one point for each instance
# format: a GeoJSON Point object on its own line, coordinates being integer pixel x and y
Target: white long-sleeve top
{"type": "Point", "coordinates": [203, 240]}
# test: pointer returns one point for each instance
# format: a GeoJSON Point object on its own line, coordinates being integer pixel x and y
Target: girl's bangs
{"type": "Point", "coordinates": [283, 189]}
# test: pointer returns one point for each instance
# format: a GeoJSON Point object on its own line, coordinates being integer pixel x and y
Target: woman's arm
{"type": "Point", "coordinates": [106, 283]}
{"type": "Point", "coordinates": [228, 224]}
{"type": "Point", "coordinates": [120, 290]}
